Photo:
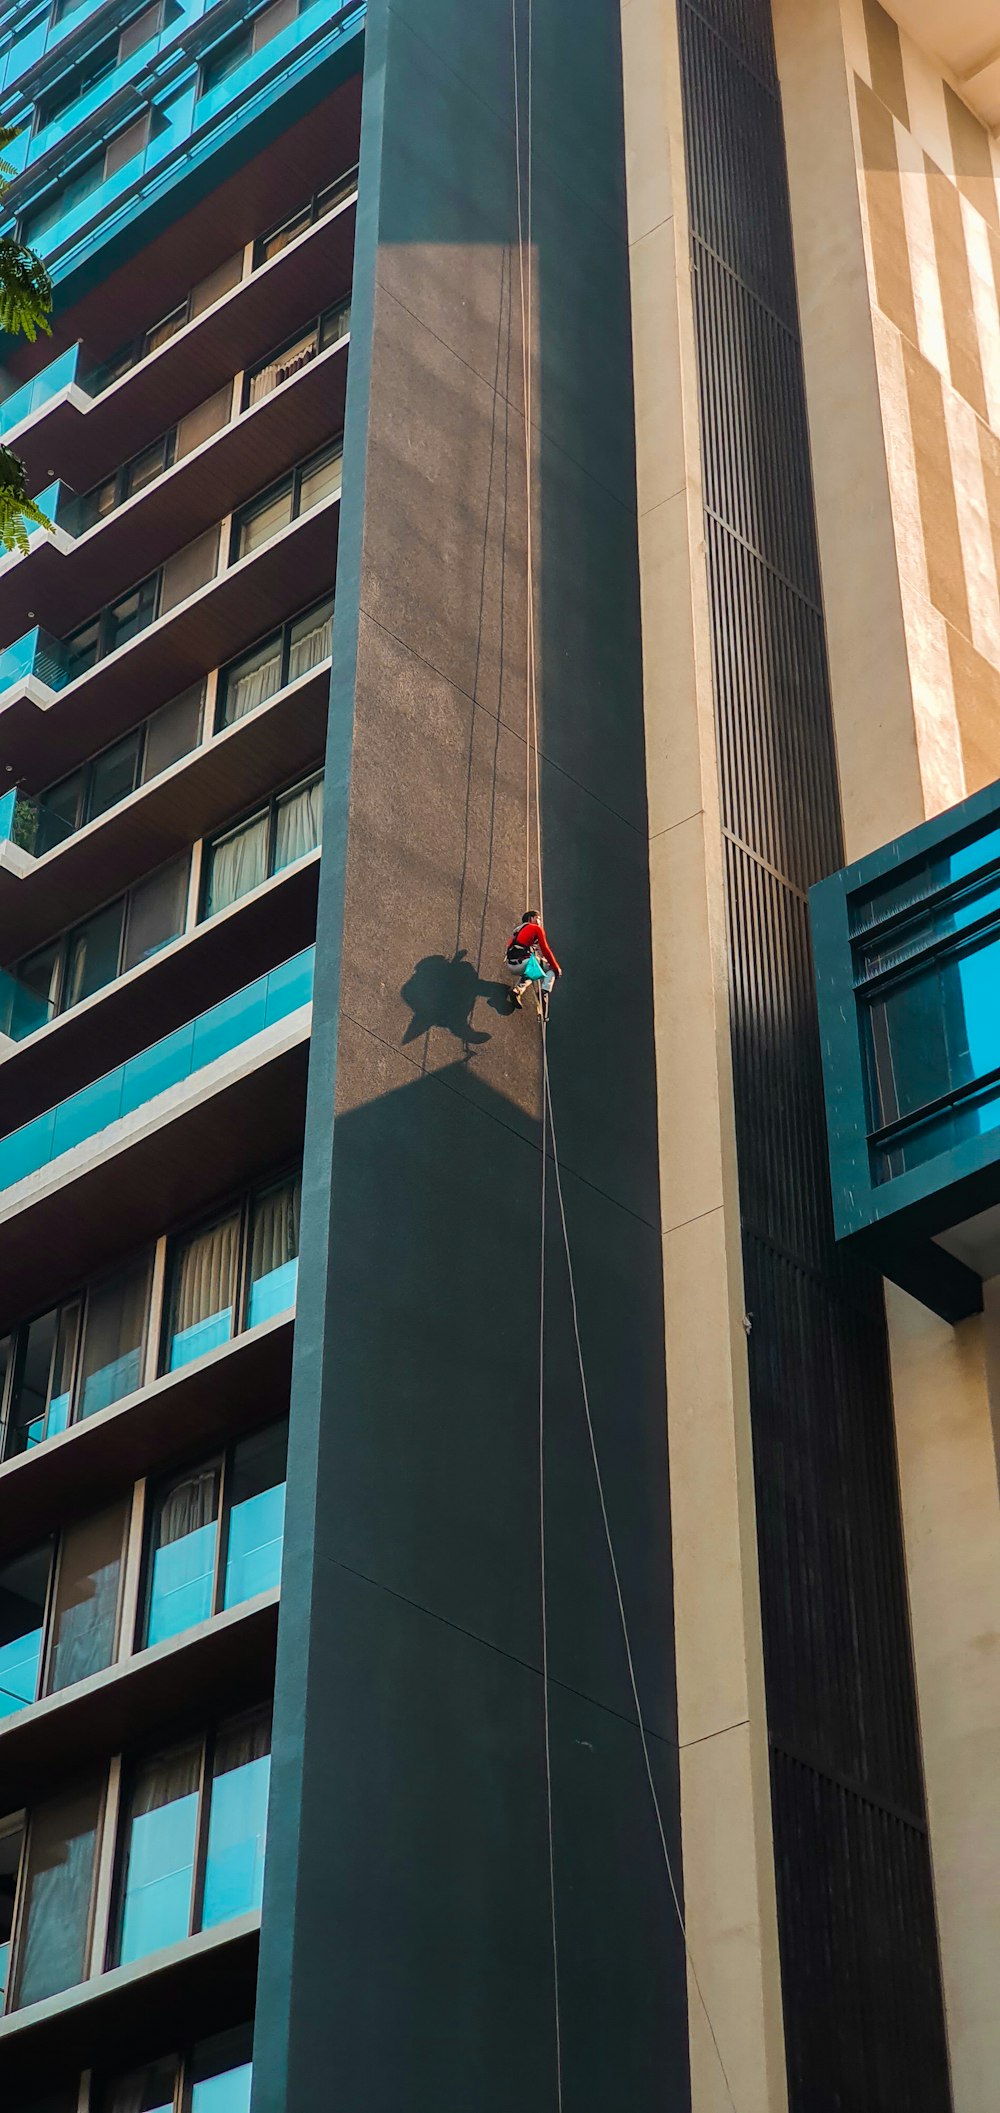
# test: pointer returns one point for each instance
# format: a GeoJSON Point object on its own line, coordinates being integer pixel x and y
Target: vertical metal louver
{"type": "Point", "coordinates": [863, 2012]}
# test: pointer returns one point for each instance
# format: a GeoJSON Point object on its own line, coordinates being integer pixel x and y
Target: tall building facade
{"type": "Point", "coordinates": [500, 1536]}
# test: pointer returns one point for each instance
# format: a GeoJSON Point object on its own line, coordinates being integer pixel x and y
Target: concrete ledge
{"type": "Point", "coordinates": [221, 1665]}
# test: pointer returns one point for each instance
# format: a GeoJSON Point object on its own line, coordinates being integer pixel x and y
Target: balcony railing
{"type": "Point", "coordinates": [155, 1070]}
{"type": "Point", "coordinates": [77, 367]}
{"type": "Point", "coordinates": [35, 655]}
{"type": "Point", "coordinates": [71, 366]}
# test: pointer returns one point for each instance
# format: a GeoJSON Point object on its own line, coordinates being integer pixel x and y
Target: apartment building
{"type": "Point", "coordinates": [542, 1494]}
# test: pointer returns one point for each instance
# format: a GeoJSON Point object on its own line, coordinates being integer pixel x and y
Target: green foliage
{"type": "Point", "coordinates": [25, 303]}
{"type": "Point", "coordinates": [16, 509]}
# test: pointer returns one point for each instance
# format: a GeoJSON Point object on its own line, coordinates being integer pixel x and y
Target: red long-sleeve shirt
{"type": "Point", "coordinates": [534, 935]}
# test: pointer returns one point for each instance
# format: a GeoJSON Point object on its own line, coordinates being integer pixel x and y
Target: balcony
{"type": "Point", "coordinates": [84, 419]}
{"type": "Point", "coordinates": [165, 1064]}
{"type": "Point", "coordinates": [200, 1405]}
{"type": "Point", "coordinates": [907, 947]}
{"type": "Point", "coordinates": [283, 736]}
{"type": "Point", "coordinates": [202, 629]}
{"type": "Point", "coordinates": [154, 1139]}
{"type": "Point", "coordinates": [49, 1051]}
{"type": "Point", "coordinates": [62, 575]}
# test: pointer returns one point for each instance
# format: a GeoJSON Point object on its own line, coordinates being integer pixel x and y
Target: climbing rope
{"type": "Point", "coordinates": [523, 160]}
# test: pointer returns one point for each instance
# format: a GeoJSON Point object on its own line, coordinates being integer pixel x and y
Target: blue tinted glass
{"type": "Point", "coordinates": [229, 1024]}
{"type": "Point", "coordinates": [934, 1030]}
{"type": "Point", "coordinates": [110, 1384]}
{"type": "Point", "coordinates": [181, 1587]}
{"type": "Point", "coordinates": [200, 1338]}
{"type": "Point", "coordinates": [58, 1415]}
{"type": "Point", "coordinates": [154, 1070]}
{"type": "Point", "coordinates": [8, 806]}
{"type": "Point", "coordinates": [253, 1557]}
{"type": "Point", "coordinates": [274, 1293]}
{"type": "Point", "coordinates": [234, 1870]}
{"type": "Point", "coordinates": [87, 1112]}
{"type": "Point", "coordinates": [157, 1904]}
{"type": "Point", "coordinates": [27, 1149]}
{"type": "Point", "coordinates": [4, 1971]}
{"type": "Point", "coordinates": [290, 985]}
{"type": "Point", "coordinates": [224, 2094]}
{"type": "Point", "coordinates": [19, 1672]}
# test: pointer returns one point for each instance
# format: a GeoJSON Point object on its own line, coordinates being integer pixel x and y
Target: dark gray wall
{"type": "Point", "coordinates": [407, 1957]}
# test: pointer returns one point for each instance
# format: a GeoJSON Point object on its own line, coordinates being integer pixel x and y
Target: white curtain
{"type": "Point", "coordinates": [275, 1230]}
{"type": "Point", "coordinates": [243, 692]}
{"type": "Point", "coordinates": [299, 825]}
{"type": "Point", "coordinates": [188, 1507]}
{"type": "Point", "coordinates": [238, 864]}
{"type": "Point", "coordinates": [311, 648]}
{"type": "Point", "coordinates": [205, 1277]}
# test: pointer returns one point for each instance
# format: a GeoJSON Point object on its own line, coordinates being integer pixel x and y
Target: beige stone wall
{"type": "Point", "coordinates": [724, 1773]}
{"type": "Point", "coordinates": [929, 189]}
{"type": "Point", "coordinates": [896, 217]}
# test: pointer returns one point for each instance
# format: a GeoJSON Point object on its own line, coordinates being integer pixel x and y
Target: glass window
{"type": "Point", "coordinates": [85, 1609]}
{"type": "Point", "coordinates": [257, 523]}
{"type": "Point", "coordinates": [255, 1504]}
{"type": "Point", "coordinates": [55, 1923]}
{"type": "Point", "coordinates": [151, 2089]}
{"type": "Point", "coordinates": [221, 2073]}
{"type": "Point", "coordinates": [271, 373]}
{"type": "Point", "coordinates": [126, 144]}
{"type": "Point", "coordinates": [113, 775]}
{"type": "Point", "coordinates": [298, 824]}
{"type": "Point", "coordinates": [97, 504]}
{"type": "Point", "coordinates": [83, 648]}
{"type": "Point", "coordinates": [156, 912]}
{"type": "Point", "coordinates": [203, 1291]}
{"type": "Point", "coordinates": [151, 463]}
{"type": "Point", "coordinates": [11, 1845]}
{"type": "Point", "coordinates": [130, 615]}
{"type": "Point", "coordinates": [250, 680]}
{"type": "Point", "coordinates": [114, 1338]}
{"type": "Point", "coordinates": [271, 245]}
{"type": "Point", "coordinates": [321, 478]}
{"type": "Point", "coordinates": [165, 329]}
{"type": "Point", "coordinates": [235, 863]}
{"type": "Point", "coordinates": [30, 1395]}
{"type": "Point", "coordinates": [182, 1555]}
{"type": "Point", "coordinates": [24, 1586]}
{"type": "Point", "coordinates": [173, 731]}
{"type": "Point", "coordinates": [159, 1854]}
{"type": "Point", "coordinates": [59, 813]}
{"type": "Point", "coordinates": [311, 640]}
{"type": "Point", "coordinates": [139, 31]}
{"type": "Point", "coordinates": [93, 955]}
{"type": "Point", "coordinates": [34, 999]}
{"type": "Point", "coordinates": [274, 1248]}
{"type": "Point", "coordinates": [335, 324]}
{"type": "Point", "coordinates": [237, 1822]}
{"type": "Point", "coordinates": [224, 60]}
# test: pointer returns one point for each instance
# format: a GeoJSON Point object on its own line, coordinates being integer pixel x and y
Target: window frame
{"type": "Point", "coordinates": [223, 1463]}
{"type": "Point", "coordinates": [283, 633]}
{"type": "Point", "coordinates": [104, 1808]}
{"type": "Point", "coordinates": [85, 771]}
{"type": "Point", "coordinates": [82, 1298]}
{"type": "Point", "coordinates": [106, 621]}
{"type": "Point", "coordinates": [313, 325]}
{"type": "Point", "coordinates": [243, 1201]}
{"type": "Point", "coordinates": [209, 1738]}
{"type": "Point", "coordinates": [121, 477]}
{"type": "Point", "coordinates": [292, 480]}
{"type": "Point", "coordinates": [66, 940]}
{"type": "Point", "coordinates": [260, 811]}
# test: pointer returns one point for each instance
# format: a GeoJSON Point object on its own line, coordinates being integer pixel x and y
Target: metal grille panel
{"type": "Point", "coordinates": [863, 2014]}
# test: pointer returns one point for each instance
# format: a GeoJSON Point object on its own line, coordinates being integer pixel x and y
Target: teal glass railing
{"type": "Point", "coordinates": [30, 824]}
{"type": "Point", "coordinates": [70, 366]}
{"type": "Point", "coordinates": [22, 1010]}
{"type": "Point", "coordinates": [166, 1063]}
{"type": "Point", "coordinates": [37, 653]}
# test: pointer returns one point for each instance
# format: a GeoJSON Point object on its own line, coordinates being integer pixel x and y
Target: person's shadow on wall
{"type": "Point", "coordinates": [443, 992]}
